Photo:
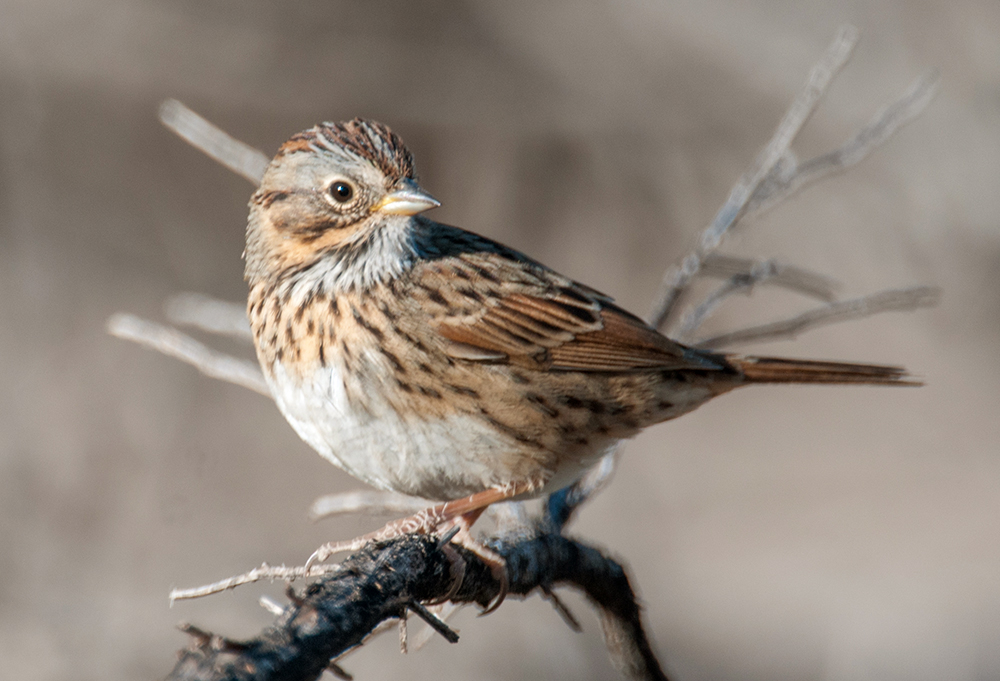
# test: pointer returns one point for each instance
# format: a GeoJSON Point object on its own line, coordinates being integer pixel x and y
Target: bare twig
{"type": "Point", "coordinates": [433, 621]}
{"type": "Point", "coordinates": [564, 612]}
{"type": "Point", "coordinates": [786, 276]}
{"type": "Point", "coordinates": [241, 158]}
{"type": "Point", "coordinates": [364, 501]}
{"type": "Point", "coordinates": [403, 632]}
{"type": "Point", "coordinates": [775, 175]}
{"type": "Point", "coordinates": [264, 572]}
{"type": "Point", "coordinates": [180, 346]}
{"type": "Point", "coordinates": [444, 611]}
{"type": "Point", "coordinates": [208, 314]}
{"type": "Point", "coordinates": [677, 279]}
{"type": "Point", "coordinates": [738, 283]}
{"type": "Point", "coordinates": [271, 605]}
{"type": "Point", "coordinates": [787, 177]}
{"type": "Point", "coordinates": [338, 671]}
{"type": "Point", "coordinates": [747, 274]}
{"type": "Point", "coordinates": [780, 185]}
{"type": "Point", "coordinates": [858, 308]}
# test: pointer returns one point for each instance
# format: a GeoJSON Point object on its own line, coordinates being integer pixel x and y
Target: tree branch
{"type": "Point", "coordinates": [382, 581]}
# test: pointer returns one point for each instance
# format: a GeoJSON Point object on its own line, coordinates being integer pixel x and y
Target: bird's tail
{"type": "Point", "coordinates": [776, 370]}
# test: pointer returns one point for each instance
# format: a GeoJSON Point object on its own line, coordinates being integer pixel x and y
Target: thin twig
{"type": "Point", "coordinates": [271, 605]}
{"type": "Point", "coordinates": [338, 671]}
{"type": "Point", "coordinates": [172, 342]}
{"type": "Point", "coordinates": [786, 276]}
{"type": "Point", "coordinates": [443, 611]}
{"type": "Point", "coordinates": [364, 501]}
{"type": "Point", "coordinates": [433, 621]}
{"type": "Point", "coordinates": [564, 612]}
{"type": "Point", "coordinates": [898, 300]}
{"type": "Point", "coordinates": [241, 158]}
{"type": "Point", "coordinates": [677, 279]}
{"type": "Point", "coordinates": [780, 185]}
{"type": "Point", "coordinates": [265, 571]}
{"type": "Point", "coordinates": [403, 632]}
{"type": "Point", "coordinates": [745, 276]}
{"type": "Point", "coordinates": [791, 125]}
{"type": "Point", "coordinates": [738, 283]}
{"type": "Point", "coordinates": [208, 314]}
{"type": "Point", "coordinates": [786, 176]}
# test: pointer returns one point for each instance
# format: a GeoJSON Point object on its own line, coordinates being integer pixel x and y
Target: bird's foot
{"type": "Point", "coordinates": [442, 519]}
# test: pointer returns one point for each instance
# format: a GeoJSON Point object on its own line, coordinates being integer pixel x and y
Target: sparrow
{"type": "Point", "coordinates": [428, 360]}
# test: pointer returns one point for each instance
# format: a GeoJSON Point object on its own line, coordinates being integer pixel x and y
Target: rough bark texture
{"type": "Point", "coordinates": [384, 580]}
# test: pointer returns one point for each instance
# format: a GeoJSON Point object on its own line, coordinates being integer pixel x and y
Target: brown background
{"type": "Point", "coordinates": [779, 533]}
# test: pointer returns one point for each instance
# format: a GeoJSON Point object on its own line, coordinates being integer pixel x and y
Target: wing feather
{"type": "Point", "coordinates": [498, 306]}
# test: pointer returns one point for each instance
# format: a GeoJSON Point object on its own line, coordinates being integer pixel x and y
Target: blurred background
{"type": "Point", "coordinates": [777, 533]}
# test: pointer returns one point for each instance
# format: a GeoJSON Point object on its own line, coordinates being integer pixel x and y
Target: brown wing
{"type": "Point", "coordinates": [493, 308]}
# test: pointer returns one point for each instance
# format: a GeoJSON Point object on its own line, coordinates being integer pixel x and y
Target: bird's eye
{"type": "Point", "coordinates": [341, 191]}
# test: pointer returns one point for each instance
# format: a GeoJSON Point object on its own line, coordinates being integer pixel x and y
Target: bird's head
{"type": "Point", "coordinates": [328, 190]}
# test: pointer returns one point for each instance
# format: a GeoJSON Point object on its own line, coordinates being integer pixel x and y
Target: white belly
{"type": "Point", "coordinates": [440, 458]}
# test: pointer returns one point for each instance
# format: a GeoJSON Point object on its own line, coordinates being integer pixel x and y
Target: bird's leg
{"type": "Point", "coordinates": [432, 519]}
{"type": "Point", "coordinates": [493, 560]}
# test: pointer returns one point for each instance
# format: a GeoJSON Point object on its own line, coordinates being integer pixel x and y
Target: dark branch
{"type": "Point", "coordinates": [382, 581]}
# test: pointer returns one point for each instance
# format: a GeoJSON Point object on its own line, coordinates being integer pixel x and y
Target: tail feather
{"type": "Point", "coordinates": [777, 370]}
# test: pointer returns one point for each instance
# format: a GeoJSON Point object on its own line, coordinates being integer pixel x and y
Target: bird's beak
{"type": "Point", "coordinates": [408, 199]}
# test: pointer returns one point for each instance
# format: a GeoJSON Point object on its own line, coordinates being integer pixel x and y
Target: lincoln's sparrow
{"type": "Point", "coordinates": [431, 361]}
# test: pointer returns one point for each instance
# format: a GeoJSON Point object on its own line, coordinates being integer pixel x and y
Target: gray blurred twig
{"type": "Point", "coordinates": [761, 272]}
{"type": "Point", "coordinates": [180, 346]}
{"type": "Point", "coordinates": [742, 276]}
{"type": "Point", "coordinates": [774, 176]}
{"type": "Point", "coordinates": [677, 279]}
{"type": "Point", "coordinates": [208, 314]}
{"type": "Point", "coordinates": [900, 300]}
{"type": "Point", "coordinates": [364, 501]}
{"type": "Point", "coordinates": [777, 174]}
{"type": "Point", "coordinates": [239, 157]}
{"type": "Point", "coordinates": [780, 274]}
{"type": "Point", "coordinates": [791, 177]}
